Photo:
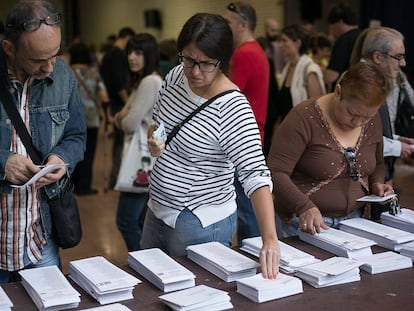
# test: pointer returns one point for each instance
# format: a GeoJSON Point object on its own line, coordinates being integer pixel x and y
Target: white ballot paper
{"type": "Point", "coordinates": [160, 269]}
{"type": "Point", "coordinates": [198, 298]}
{"type": "Point", "coordinates": [222, 261]}
{"type": "Point", "coordinates": [49, 289]}
{"type": "Point", "coordinates": [5, 302]}
{"type": "Point", "coordinates": [102, 280]}
{"type": "Point", "coordinates": [403, 220]}
{"type": "Point", "coordinates": [111, 307]}
{"type": "Point", "coordinates": [376, 198]}
{"type": "Point", "coordinates": [384, 262]}
{"type": "Point", "coordinates": [45, 170]}
{"type": "Point", "coordinates": [259, 289]}
{"type": "Point", "coordinates": [332, 271]}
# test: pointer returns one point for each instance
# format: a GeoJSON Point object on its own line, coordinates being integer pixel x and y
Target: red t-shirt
{"type": "Point", "coordinates": [249, 70]}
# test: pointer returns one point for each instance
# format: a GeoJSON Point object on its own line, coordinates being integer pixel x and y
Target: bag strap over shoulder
{"type": "Point", "coordinates": [204, 105]}
{"type": "Point", "coordinates": [18, 124]}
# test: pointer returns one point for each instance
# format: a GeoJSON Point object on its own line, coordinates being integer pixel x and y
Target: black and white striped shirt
{"type": "Point", "coordinates": [196, 169]}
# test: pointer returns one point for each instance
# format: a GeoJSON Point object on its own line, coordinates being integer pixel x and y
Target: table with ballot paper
{"type": "Point", "coordinates": [362, 266]}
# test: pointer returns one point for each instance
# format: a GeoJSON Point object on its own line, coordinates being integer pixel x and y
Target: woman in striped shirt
{"type": "Point", "coordinates": [192, 197]}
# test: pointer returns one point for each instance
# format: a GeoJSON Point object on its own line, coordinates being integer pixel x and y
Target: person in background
{"type": "Point", "coordinates": [192, 195]}
{"type": "Point", "coordinates": [301, 78]}
{"type": "Point", "coordinates": [114, 72]}
{"type": "Point", "coordinates": [272, 32]}
{"type": "Point", "coordinates": [1, 30]}
{"type": "Point", "coordinates": [384, 47]}
{"type": "Point", "coordinates": [327, 153]}
{"type": "Point", "coordinates": [250, 71]}
{"type": "Point", "coordinates": [168, 55]}
{"type": "Point", "coordinates": [93, 93]}
{"type": "Point", "coordinates": [320, 49]}
{"type": "Point", "coordinates": [343, 26]}
{"type": "Point", "coordinates": [42, 87]}
{"type": "Point", "coordinates": [145, 83]}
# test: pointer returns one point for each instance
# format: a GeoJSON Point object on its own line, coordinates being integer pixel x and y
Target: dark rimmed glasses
{"type": "Point", "coordinates": [232, 7]}
{"type": "Point", "coordinates": [398, 57]}
{"type": "Point", "coordinates": [350, 155]}
{"type": "Point", "coordinates": [204, 66]}
{"type": "Point", "coordinates": [34, 24]}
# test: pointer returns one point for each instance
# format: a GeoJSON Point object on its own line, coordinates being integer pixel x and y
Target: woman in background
{"type": "Point", "coordinates": [145, 82]}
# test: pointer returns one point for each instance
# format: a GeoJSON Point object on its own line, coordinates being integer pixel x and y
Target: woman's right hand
{"type": "Point", "coordinates": [155, 147]}
{"type": "Point", "coordinates": [311, 221]}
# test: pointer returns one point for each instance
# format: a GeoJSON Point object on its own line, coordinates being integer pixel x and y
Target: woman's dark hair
{"type": "Point", "coordinates": [24, 11]}
{"type": "Point", "coordinates": [297, 32]}
{"type": "Point", "coordinates": [211, 34]}
{"type": "Point", "coordinates": [147, 44]}
{"type": "Point", "coordinates": [80, 54]}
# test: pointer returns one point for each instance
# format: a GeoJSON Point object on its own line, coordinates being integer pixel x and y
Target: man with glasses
{"type": "Point", "coordinates": [41, 86]}
{"type": "Point", "coordinates": [384, 47]}
{"type": "Point", "coordinates": [250, 71]}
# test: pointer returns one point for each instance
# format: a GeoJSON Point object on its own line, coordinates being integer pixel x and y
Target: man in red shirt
{"type": "Point", "coordinates": [250, 71]}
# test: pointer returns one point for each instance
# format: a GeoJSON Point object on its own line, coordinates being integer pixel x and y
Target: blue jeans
{"type": "Point", "coordinates": [285, 230]}
{"type": "Point", "coordinates": [187, 231]}
{"type": "Point", "coordinates": [247, 226]}
{"type": "Point", "coordinates": [50, 257]}
{"type": "Point", "coordinates": [130, 218]}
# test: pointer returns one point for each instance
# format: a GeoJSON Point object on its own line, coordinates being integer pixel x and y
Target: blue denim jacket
{"type": "Point", "coordinates": [57, 123]}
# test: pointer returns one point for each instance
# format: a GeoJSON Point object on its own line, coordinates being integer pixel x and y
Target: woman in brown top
{"type": "Point", "coordinates": [328, 152]}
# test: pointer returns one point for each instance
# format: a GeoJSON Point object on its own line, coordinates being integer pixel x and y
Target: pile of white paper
{"type": "Point", "coordinates": [102, 280]}
{"type": "Point", "coordinates": [384, 262]}
{"type": "Point", "coordinates": [111, 307]}
{"type": "Point", "coordinates": [403, 221]}
{"type": "Point", "coordinates": [198, 298]}
{"type": "Point", "coordinates": [408, 250]}
{"type": "Point", "coordinates": [259, 289]}
{"type": "Point", "coordinates": [332, 271]}
{"type": "Point", "coordinates": [49, 289]}
{"type": "Point", "coordinates": [385, 236]}
{"type": "Point", "coordinates": [291, 257]}
{"type": "Point", "coordinates": [222, 261]}
{"type": "Point", "coordinates": [5, 302]}
{"type": "Point", "coordinates": [161, 270]}
{"type": "Point", "coordinates": [340, 243]}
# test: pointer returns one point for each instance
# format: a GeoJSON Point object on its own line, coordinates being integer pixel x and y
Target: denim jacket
{"type": "Point", "coordinates": [57, 123]}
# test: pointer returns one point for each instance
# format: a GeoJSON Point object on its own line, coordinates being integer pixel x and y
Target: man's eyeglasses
{"type": "Point", "coordinates": [34, 24]}
{"type": "Point", "coordinates": [204, 66]}
{"type": "Point", "coordinates": [232, 7]}
{"type": "Point", "coordinates": [352, 168]}
{"type": "Point", "coordinates": [398, 57]}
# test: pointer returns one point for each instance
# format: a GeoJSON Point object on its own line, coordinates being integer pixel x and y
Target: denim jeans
{"type": "Point", "coordinates": [247, 226]}
{"type": "Point", "coordinates": [130, 218]}
{"type": "Point", "coordinates": [285, 230]}
{"type": "Point", "coordinates": [50, 257]}
{"type": "Point", "coordinates": [187, 231]}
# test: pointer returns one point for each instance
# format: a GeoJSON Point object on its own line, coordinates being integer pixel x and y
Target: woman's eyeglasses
{"type": "Point", "coordinates": [204, 66]}
{"type": "Point", "coordinates": [352, 168]}
{"type": "Point", "coordinates": [34, 24]}
{"type": "Point", "coordinates": [232, 7]}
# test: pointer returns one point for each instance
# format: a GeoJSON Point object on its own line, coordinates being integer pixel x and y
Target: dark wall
{"type": "Point", "coordinates": [397, 14]}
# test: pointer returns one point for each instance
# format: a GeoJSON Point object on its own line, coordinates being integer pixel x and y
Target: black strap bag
{"type": "Point", "coordinates": [66, 225]}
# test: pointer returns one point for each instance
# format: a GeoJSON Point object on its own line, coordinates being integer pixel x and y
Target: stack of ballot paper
{"type": "Point", "coordinates": [259, 289]}
{"type": "Point", "coordinates": [332, 271]}
{"type": "Point", "coordinates": [403, 221]}
{"type": "Point", "coordinates": [407, 249]}
{"type": "Point", "coordinates": [222, 261]}
{"type": "Point", "coordinates": [198, 298]}
{"type": "Point", "coordinates": [111, 307]}
{"type": "Point", "coordinates": [339, 242]}
{"type": "Point", "coordinates": [161, 270]}
{"type": "Point", "coordinates": [49, 289]}
{"type": "Point", "coordinates": [384, 262]}
{"type": "Point", "coordinates": [385, 236]}
{"type": "Point", "coordinates": [291, 257]}
{"type": "Point", "coordinates": [5, 302]}
{"type": "Point", "coordinates": [102, 280]}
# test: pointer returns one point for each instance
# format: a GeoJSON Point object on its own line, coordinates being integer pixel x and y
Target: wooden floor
{"type": "Point", "coordinates": [101, 236]}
